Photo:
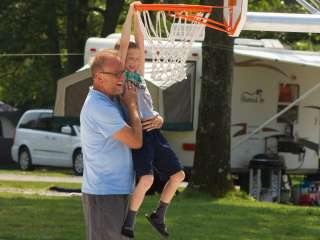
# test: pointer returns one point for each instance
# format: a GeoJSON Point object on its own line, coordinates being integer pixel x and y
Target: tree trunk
{"type": "Point", "coordinates": [212, 157]}
{"type": "Point", "coordinates": [53, 42]}
{"type": "Point", "coordinates": [111, 16]}
{"type": "Point", "coordinates": [77, 13]}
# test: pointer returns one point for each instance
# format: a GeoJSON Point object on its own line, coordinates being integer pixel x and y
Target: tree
{"type": "Point", "coordinates": [52, 31]}
{"type": "Point", "coordinates": [47, 27]}
{"type": "Point", "coordinates": [111, 16]}
{"type": "Point", "coordinates": [212, 156]}
{"type": "Point", "coordinates": [77, 14]}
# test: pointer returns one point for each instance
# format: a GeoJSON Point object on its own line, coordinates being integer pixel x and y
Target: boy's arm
{"type": "Point", "coordinates": [139, 39]}
{"type": "Point", "coordinates": [125, 35]}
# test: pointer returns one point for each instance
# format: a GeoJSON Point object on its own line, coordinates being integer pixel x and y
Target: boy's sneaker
{"type": "Point", "coordinates": [157, 224]}
{"type": "Point", "coordinates": [128, 232]}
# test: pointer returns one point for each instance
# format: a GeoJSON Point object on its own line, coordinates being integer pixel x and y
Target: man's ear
{"type": "Point", "coordinates": [98, 77]}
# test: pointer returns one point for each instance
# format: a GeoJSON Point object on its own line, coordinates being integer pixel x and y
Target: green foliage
{"type": "Point", "coordinates": [28, 81]}
{"type": "Point", "coordinates": [275, 6]}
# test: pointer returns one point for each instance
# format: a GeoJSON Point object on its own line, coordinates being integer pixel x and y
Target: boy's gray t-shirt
{"type": "Point", "coordinates": [144, 99]}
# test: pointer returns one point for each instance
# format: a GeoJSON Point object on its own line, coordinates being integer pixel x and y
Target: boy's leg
{"type": "Point", "coordinates": [168, 193]}
{"type": "Point", "coordinates": [157, 218]}
{"type": "Point", "coordinates": [137, 197]}
{"type": "Point", "coordinates": [168, 165]}
{"type": "Point", "coordinates": [142, 160]}
{"type": "Point", "coordinates": [172, 186]}
{"type": "Point", "coordinates": [139, 193]}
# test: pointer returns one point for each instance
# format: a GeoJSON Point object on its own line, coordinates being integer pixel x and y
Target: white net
{"type": "Point", "coordinates": [170, 47]}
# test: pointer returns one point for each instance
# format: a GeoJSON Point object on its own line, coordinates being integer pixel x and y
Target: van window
{"type": "Point", "coordinates": [29, 120]}
{"type": "Point", "coordinates": [45, 122]}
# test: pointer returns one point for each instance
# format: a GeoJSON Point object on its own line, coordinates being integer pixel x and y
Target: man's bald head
{"type": "Point", "coordinates": [102, 59]}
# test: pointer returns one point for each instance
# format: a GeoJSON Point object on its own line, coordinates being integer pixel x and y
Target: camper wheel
{"type": "Point", "coordinates": [78, 162]}
{"type": "Point", "coordinates": [25, 161]}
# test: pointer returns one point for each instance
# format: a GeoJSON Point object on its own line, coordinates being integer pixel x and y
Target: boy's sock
{"type": "Point", "coordinates": [130, 219]}
{"type": "Point", "coordinates": [127, 228]}
{"type": "Point", "coordinates": [161, 211]}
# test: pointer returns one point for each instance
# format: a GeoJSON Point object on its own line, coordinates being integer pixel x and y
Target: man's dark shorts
{"type": "Point", "coordinates": [155, 155]}
{"type": "Point", "coordinates": [104, 216]}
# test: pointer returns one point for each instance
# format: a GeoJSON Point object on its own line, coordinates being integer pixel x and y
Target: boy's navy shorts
{"type": "Point", "coordinates": [155, 155]}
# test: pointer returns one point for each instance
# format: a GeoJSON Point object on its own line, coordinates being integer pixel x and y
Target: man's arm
{"type": "Point", "coordinates": [131, 135]}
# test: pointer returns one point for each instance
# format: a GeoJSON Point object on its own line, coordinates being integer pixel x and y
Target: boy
{"type": "Point", "coordinates": [155, 154]}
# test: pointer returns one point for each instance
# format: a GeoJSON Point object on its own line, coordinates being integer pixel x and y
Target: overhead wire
{"type": "Point", "coordinates": [38, 54]}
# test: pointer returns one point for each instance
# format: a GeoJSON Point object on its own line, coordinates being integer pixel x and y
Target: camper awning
{"type": "Point", "coordinates": [282, 55]}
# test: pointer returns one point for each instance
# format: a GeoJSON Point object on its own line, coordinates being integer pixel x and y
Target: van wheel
{"type": "Point", "coordinates": [25, 161]}
{"type": "Point", "coordinates": [78, 163]}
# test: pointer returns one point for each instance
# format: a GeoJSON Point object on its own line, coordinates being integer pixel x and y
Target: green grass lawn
{"type": "Point", "coordinates": [189, 217]}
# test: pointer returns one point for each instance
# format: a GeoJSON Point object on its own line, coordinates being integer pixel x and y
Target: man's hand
{"type": "Point", "coordinates": [153, 123]}
{"type": "Point", "coordinates": [129, 97]}
{"type": "Point", "coordinates": [130, 135]}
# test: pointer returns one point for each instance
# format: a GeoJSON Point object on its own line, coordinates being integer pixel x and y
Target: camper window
{"type": "Point", "coordinates": [287, 94]}
{"type": "Point", "coordinates": [178, 102]}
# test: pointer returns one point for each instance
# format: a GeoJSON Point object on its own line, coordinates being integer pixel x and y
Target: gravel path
{"type": "Point", "coordinates": [31, 178]}
{"type": "Point", "coordinates": [38, 192]}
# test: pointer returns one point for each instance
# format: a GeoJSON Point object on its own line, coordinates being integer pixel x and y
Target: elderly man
{"type": "Point", "coordinates": [106, 141]}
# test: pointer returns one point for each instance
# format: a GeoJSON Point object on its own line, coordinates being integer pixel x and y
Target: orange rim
{"type": "Point", "coordinates": [207, 22]}
{"type": "Point", "coordinates": [174, 7]}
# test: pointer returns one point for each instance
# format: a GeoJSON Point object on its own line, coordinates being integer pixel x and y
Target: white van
{"type": "Point", "coordinates": [41, 139]}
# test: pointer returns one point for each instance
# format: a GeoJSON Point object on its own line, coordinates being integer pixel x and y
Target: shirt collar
{"type": "Point", "coordinates": [100, 94]}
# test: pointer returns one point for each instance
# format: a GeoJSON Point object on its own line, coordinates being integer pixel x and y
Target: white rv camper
{"type": "Point", "coordinates": [267, 79]}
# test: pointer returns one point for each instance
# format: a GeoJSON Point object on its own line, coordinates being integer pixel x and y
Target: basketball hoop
{"type": "Point", "coordinates": [170, 30]}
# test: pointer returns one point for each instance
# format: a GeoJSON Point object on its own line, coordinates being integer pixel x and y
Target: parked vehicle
{"type": "Point", "coordinates": [40, 139]}
{"type": "Point", "coordinates": [9, 117]}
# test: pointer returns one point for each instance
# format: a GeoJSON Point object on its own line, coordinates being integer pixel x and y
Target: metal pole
{"type": "Point", "coordinates": [282, 22]}
{"type": "Point", "coordinates": [307, 93]}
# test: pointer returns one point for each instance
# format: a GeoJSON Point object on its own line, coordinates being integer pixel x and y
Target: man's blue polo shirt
{"type": "Point", "coordinates": [107, 162]}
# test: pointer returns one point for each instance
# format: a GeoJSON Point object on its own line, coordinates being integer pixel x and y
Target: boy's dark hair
{"type": "Point", "coordinates": [131, 45]}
